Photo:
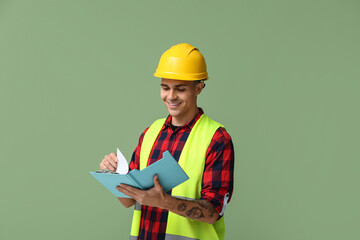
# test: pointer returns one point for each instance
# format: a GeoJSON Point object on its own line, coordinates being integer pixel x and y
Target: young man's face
{"type": "Point", "coordinates": [180, 96]}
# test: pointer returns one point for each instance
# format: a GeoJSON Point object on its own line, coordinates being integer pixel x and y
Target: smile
{"type": "Point", "coordinates": [174, 104]}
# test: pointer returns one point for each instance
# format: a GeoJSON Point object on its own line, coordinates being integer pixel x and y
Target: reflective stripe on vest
{"type": "Point", "coordinates": [192, 160]}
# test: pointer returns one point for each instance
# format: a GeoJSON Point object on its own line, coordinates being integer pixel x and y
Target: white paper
{"type": "Point", "coordinates": [122, 165]}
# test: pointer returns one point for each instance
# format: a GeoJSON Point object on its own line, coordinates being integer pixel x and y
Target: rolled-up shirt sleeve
{"type": "Point", "coordinates": [218, 178]}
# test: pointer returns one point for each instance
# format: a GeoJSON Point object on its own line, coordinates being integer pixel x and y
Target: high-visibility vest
{"type": "Point", "coordinates": [192, 160]}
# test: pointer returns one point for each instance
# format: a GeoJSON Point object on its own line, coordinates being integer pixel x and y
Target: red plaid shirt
{"type": "Point", "coordinates": [217, 178]}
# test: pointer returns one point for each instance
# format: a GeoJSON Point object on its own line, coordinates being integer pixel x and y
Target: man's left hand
{"type": "Point", "coordinates": [153, 197]}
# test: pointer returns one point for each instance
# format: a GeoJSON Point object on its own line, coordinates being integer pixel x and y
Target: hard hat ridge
{"type": "Point", "coordinates": [194, 49]}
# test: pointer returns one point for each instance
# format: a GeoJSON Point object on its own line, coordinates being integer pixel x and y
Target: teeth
{"type": "Point", "coordinates": [173, 104]}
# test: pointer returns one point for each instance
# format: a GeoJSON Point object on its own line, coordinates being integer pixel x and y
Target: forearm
{"type": "Point", "coordinates": [200, 210]}
{"type": "Point", "coordinates": [127, 202]}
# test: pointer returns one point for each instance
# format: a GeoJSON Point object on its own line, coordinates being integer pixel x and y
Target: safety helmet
{"type": "Point", "coordinates": [182, 62]}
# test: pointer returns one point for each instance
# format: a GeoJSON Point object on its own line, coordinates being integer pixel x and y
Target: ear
{"type": "Point", "coordinates": [199, 87]}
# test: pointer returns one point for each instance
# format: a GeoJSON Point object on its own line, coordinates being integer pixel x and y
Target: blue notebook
{"type": "Point", "coordinates": [168, 170]}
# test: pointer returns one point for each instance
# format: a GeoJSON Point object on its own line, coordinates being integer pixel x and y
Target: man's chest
{"type": "Point", "coordinates": [169, 140]}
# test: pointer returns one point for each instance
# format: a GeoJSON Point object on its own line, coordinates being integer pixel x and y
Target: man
{"type": "Point", "coordinates": [202, 147]}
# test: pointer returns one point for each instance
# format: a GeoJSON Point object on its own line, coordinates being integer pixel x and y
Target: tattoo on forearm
{"type": "Point", "coordinates": [201, 204]}
{"type": "Point", "coordinates": [205, 204]}
{"type": "Point", "coordinates": [195, 212]}
{"type": "Point", "coordinates": [182, 207]}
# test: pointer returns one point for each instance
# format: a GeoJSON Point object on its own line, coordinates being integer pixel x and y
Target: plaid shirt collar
{"type": "Point", "coordinates": [189, 125]}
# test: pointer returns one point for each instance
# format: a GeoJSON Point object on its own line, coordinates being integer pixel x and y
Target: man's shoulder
{"type": "Point", "coordinates": [221, 131]}
{"type": "Point", "coordinates": [222, 135]}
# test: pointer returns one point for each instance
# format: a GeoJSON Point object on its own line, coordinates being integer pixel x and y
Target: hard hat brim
{"type": "Point", "coordinates": [184, 77]}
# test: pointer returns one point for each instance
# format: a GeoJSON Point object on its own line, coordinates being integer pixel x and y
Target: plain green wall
{"type": "Point", "coordinates": [76, 81]}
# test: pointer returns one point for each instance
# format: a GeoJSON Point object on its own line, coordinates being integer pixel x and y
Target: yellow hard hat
{"type": "Point", "coordinates": [182, 62]}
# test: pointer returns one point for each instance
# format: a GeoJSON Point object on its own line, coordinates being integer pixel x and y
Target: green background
{"type": "Point", "coordinates": [76, 81]}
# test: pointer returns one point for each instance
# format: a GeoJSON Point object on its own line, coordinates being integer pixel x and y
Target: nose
{"type": "Point", "coordinates": [172, 95]}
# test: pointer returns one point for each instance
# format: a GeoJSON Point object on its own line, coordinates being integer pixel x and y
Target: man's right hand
{"type": "Point", "coordinates": [109, 162]}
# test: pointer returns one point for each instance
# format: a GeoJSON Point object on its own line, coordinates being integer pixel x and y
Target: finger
{"type": "Point", "coordinates": [108, 166]}
{"type": "Point", "coordinates": [133, 192]}
{"type": "Point", "coordinates": [130, 188]}
{"type": "Point", "coordinates": [102, 166]}
{"type": "Point", "coordinates": [111, 161]}
{"type": "Point", "coordinates": [113, 157]}
{"type": "Point", "coordinates": [156, 181]}
{"type": "Point", "coordinates": [127, 192]}
{"type": "Point", "coordinates": [123, 190]}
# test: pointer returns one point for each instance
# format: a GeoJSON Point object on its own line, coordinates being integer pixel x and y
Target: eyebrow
{"type": "Point", "coordinates": [179, 85]}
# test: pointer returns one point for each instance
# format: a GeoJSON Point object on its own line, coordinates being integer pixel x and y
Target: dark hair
{"type": "Point", "coordinates": [198, 81]}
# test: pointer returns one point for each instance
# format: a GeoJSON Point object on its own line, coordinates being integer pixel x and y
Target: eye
{"type": "Point", "coordinates": [181, 89]}
{"type": "Point", "coordinates": [164, 88]}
